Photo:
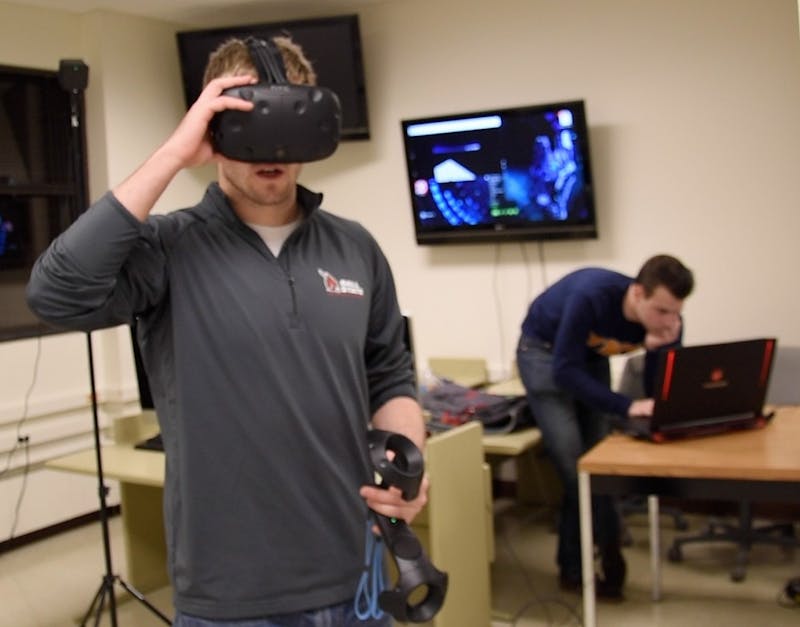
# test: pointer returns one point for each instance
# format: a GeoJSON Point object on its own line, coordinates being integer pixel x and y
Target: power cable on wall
{"type": "Point", "coordinates": [497, 303]}
{"type": "Point", "coordinates": [23, 442]}
{"type": "Point", "coordinates": [526, 263]}
{"type": "Point", "coordinates": [543, 265]}
{"type": "Point", "coordinates": [528, 286]}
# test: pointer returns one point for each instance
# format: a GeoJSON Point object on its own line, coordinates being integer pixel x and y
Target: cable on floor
{"type": "Point", "coordinates": [537, 601]}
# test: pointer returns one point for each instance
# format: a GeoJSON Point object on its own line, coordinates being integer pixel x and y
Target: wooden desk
{"type": "Point", "coordinates": [762, 465]}
{"type": "Point", "coordinates": [141, 479]}
{"type": "Point", "coordinates": [452, 527]}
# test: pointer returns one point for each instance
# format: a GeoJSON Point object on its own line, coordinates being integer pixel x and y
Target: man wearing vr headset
{"type": "Point", "coordinates": [272, 337]}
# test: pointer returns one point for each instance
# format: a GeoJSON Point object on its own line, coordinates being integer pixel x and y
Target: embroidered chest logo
{"type": "Point", "coordinates": [343, 287]}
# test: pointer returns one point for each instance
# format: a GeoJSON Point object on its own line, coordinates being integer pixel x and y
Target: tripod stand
{"type": "Point", "coordinates": [73, 76]}
{"type": "Point", "coordinates": [106, 590]}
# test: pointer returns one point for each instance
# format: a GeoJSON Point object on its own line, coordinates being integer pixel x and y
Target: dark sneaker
{"type": "Point", "coordinates": [602, 589]}
{"type": "Point", "coordinates": [570, 584]}
{"type": "Point", "coordinates": [614, 567]}
{"type": "Point", "coordinates": [606, 591]}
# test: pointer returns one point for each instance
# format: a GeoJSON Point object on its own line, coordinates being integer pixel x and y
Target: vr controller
{"type": "Point", "coordinates": [288, 123]}
{"type": "Point", "coordinates": [416, 574]}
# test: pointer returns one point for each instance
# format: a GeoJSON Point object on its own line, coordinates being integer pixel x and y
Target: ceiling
{"type": "Point", "coordinates": [197, 11]}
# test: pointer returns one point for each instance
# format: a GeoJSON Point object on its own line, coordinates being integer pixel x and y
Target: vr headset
{"type": "Point", "coordinates": [288, 124]}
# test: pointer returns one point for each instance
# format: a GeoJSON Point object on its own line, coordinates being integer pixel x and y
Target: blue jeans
{"type": "Point", "coordinates": [341, 615]}
{"type": "Point", "coordinates": [569, 429]}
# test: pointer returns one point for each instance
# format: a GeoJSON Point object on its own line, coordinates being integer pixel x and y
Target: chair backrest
{"type": "Point", "coordinates": [784, 385]}
{"type": "Point", "coordinates": [631, 382]}
{"type": "Point", "coordinates": [467, 371]}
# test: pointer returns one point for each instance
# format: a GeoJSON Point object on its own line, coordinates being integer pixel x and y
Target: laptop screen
{"type": "Point", "coordinates": [706, 383]}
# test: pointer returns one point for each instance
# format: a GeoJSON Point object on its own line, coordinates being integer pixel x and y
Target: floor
{"type": "Point", "coordinates": [696, 592]}
{"type": "Point", "coordinates": [51, 583]}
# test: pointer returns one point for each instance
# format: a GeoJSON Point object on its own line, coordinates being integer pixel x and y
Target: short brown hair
{"type": "Point", "coordinates": [232, 57]}
{"type": "Point", "coordinates": [666, 271]}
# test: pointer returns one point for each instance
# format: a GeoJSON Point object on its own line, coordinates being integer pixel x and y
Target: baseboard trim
{"type": "Point", "coordinates": [52, 530]}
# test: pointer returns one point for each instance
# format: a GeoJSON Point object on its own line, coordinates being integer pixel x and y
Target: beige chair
{"type": "Point", "coordinates": [467, 371]}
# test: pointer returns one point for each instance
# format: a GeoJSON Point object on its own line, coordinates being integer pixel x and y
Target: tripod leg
{"type": "Point", "coordinates": [107, 587]}
{"type": "Point", "coordinates": [140, 597]}
{"type": "Point", "coordinates": [112, 599]}
{"type": "Point", "coordinates": [99, 603]}
{"type": "Point", "coordinates": [99, 613]}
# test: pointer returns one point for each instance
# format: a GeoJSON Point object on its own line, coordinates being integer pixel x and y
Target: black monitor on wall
{"type": "Point", "coordinates": [332, 44]}
{"type": "Point", "coordinates": [145, 394]}
{"type": "Point", "coordinates": [520, 173]}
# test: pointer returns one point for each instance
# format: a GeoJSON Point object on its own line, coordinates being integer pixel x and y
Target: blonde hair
{"type": "Point", "coordinates": [232, 58]}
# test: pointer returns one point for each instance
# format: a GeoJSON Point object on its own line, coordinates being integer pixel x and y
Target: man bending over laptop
{"type": "Point", "coordinates": [567, 336]}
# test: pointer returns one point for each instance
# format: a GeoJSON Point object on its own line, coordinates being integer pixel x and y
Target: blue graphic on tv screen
{"type": "Point", "coordinates": [550, 182]}
{"type": "Point", "coordinates": [11, 239]}
{"type": "Point", "coordinates": [514, 170]}
{"type": "Point", "coordinates": [3, 237]}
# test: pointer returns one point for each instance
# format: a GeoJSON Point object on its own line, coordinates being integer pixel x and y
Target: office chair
{"type": "Point", "coordinates": [632, 384]}
{"type": "Point", "coordinates": [743, 533]}
{"type": "Point", "coordinates": [784, 390]}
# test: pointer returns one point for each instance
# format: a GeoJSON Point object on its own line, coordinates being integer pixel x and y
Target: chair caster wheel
{"type": "Point", "coordinates": [737, 575]}
{"type": "Point", "coordinates": [674, 554]}
{"type": "Point", "coordinates": [627, 539]}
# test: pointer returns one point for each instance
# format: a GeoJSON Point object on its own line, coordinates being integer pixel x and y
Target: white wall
{"type": "Point", "coordinates": [695, 136]}
{"type": "Point", "coordinates": [694, 132]}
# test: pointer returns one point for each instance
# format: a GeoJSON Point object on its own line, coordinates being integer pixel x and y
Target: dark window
{"type": "Point", "coordinates": [42, 156]}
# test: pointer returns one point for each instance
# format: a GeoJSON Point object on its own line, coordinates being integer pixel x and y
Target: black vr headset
{"type": "Point", "coordinates": [288, 124]}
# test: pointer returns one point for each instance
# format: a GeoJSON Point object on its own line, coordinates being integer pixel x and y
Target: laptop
{"type": "Point", "coordinates": [708, 389]}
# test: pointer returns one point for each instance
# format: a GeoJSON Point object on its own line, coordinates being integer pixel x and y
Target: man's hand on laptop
{"type": "Point", "coordinates": [641, 407]}
{"type": "Point", "coordinates": [666, 334]}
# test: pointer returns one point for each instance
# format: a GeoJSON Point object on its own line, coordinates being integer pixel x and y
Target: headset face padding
{"type": "Point", "coordinates": [288, 124]}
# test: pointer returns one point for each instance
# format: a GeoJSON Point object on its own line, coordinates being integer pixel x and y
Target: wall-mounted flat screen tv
{"type": "Point", "coordinates": [332, 44]}
{"type": "Point", "coordinates": [518, 173]}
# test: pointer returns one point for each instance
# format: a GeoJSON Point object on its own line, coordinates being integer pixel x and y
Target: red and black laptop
{"type": "Point", "coordinates": [707, 389]}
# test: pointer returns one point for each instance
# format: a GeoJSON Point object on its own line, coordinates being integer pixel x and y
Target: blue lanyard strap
{"type": "Point", "coordinates": [371, 582]}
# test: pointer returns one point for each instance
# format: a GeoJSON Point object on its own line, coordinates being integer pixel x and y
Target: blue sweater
{"type": "Point", "coordinates": [581, 317]}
